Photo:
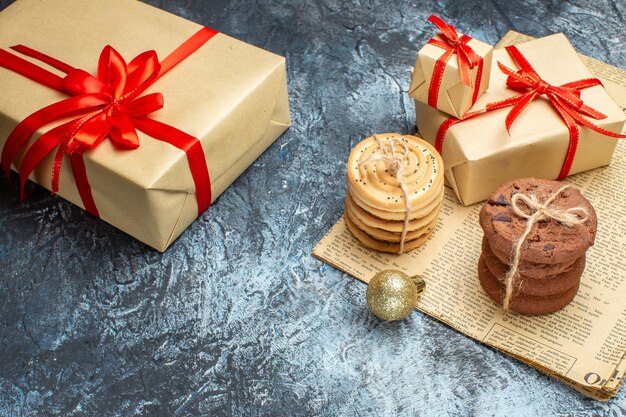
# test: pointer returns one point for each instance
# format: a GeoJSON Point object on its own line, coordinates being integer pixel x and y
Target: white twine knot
{"type": "Point", "coordinates": [395, 164]}
{"type": "Point", "coordinates": [538, 211]}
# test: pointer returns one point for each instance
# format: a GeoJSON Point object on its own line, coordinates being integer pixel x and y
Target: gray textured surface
{"type": "Point", "coordinates": [236, 318]}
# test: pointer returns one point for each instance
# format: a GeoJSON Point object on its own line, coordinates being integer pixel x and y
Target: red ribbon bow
{"type": "Point", "coordinates": [107, 105]}
{"type": "Point", "coordinates": [565, 99]}
{"type": "Point", "coordinates": [453, 44]}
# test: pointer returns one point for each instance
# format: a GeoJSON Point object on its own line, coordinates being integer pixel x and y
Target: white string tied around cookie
{"type": "Point", "coordinates": [539, 211]}
{"type": "Point", "coordinates": [395, 164]}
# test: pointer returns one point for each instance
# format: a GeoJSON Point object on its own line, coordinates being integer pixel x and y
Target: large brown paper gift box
{"type": "Point", "coordinates": [479, 154]}
{"type": "Point", "coordinates": [230, 95]}
{"type": "Point", "coordinates": [455, 98]}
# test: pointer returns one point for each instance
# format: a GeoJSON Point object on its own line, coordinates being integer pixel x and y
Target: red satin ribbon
{"type": "Point", "coordinates": [565, 99]}
{"type": "Point", "coordinates": [453, 44]}
{"type": "Point", "coordinates": [107, 105]}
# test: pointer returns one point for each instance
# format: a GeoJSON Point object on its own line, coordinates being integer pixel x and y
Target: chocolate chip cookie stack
{"type": "Point", "coordinates": [533, 253]}
{"type": "Point", "coordinates": [395, 190]}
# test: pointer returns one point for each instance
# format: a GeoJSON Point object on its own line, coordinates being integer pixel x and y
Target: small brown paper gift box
{"type": "Point", "coordinates": [479, 154]}
{"type": "Point", "coordinates": [230, 95]}
{"type": "Point", "coordinates": [454, 97]}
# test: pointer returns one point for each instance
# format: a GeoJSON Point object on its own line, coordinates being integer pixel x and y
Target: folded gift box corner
{"type": "Point", "coordinates": [417, 78]}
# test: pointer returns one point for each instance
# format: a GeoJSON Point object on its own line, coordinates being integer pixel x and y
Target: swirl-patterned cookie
{"type": "Point", "coordinates": [375, 184]}
{"type": "Point", "coordinates": [380, 245]}
{"type": "Point", "coordinates": [429, 205]}
{"type": "Point", "coordinates": [395, 191]}
{"type": "Point", "coordinates": [387, 236]}
{"type": "Point", "coordinates": [394, 226]}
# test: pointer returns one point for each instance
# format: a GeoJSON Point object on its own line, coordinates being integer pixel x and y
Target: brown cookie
{"type": "Point", "coordinates": [540, 287]}
{"type": "Point", "coordinates": [526, 268]}
{"type": "Point", "coordinates": [380, 245]}
{"type": "Point", "coordinates": [549, 241]}
{"type": "Point", "coordinates": [523, 303]}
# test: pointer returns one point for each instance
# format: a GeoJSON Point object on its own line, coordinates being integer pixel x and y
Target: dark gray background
{"type": "Point", "coordinates": [237, 318]}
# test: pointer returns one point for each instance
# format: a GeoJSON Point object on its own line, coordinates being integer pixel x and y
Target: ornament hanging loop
{"type": "Point", "coordinates": [420, 284]}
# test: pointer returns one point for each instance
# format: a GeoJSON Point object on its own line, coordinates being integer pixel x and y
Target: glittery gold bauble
{"type": "Point", "coordinates": [392, 294]}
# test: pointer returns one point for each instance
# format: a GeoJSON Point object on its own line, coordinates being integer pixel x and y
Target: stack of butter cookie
{"type": "Point", "coordinates": [536, 234]}
{"type": "Point", "coordinates": [395, 190]}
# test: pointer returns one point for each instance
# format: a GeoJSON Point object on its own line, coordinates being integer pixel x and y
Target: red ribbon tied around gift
{"type": "Point", "coordinates": [565, 100]}
{"type": "Point", "coordinates": [110, 105]}
{"type": "Point", "coordinates": [453, 44]}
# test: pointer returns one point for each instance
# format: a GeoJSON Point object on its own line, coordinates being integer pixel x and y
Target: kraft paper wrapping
{"type": "Point", "coordinates": [479, 154]}
{"type": "Point", "coordinates": [230, 95]}
{"type": "Point", "coordinates": [455, 98]}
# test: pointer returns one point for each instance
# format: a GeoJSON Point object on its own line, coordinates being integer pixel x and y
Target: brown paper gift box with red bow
{"type": "Point", "coordinates": [551, 133]}
{"type": "Point", "coordinates": [451, 71]}
{"type": "Point", "coordinates": [147, 170]}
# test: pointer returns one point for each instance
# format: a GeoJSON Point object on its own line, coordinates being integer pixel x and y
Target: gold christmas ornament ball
{"type": "Point", "coordinates": [392, 294]}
